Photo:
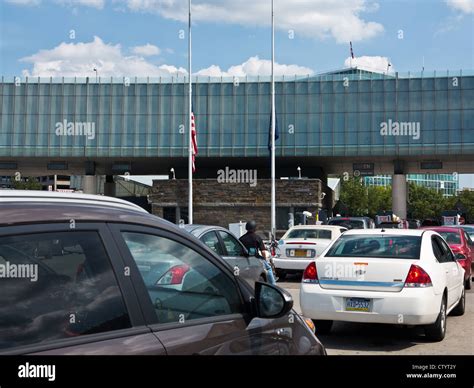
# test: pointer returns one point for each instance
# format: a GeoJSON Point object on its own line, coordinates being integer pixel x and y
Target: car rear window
{"type": "Point", "coordinates": [353, 224]}
{"type": "Point", "coordinates": [310, 233]}
{"type": "Point", "coordinates": [451, 237]}
{"type": "Point", "coordinates": [384, 246]}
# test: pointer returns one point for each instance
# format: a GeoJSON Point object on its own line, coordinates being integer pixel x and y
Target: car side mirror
{"type": "Point", "coordinates": [272, 301]}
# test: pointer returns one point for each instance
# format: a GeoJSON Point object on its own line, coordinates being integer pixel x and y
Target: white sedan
{"type": "Point", "coordinates": [302, 244]}
{"type": "Point", "coordinates": [394, 276]}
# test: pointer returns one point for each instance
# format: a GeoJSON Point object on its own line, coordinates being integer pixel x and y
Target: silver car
{"type": "Point", "coordinates": [228, 246]}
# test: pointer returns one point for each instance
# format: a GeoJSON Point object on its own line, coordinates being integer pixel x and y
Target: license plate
{"type": "Point", "coordinates": [357, 304]}
{"type": "Point", "coordinates": [300, 253]}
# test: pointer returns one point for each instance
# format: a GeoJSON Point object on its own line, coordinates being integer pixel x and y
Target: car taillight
{"type": "Point", "coordinates": [174, 275]}
{"type": "Point", "coordinates": [417, 277]}
{"type": "Point", "coordinates": [310, 274]}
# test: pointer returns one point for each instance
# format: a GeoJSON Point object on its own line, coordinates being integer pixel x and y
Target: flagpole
{"type": "Point", "coordinates": [273, 199]}
{"type": "Point", "coordinates": [190, 151]}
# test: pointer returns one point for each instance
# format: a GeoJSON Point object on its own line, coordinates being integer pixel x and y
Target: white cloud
{"type": "Point", "coordinates": [146, 50]}
{"type": "Point", "coordinates": [340, 19]}
{"type": "Point", "coordinates": [376, 63]}
{"type": "Point", "coordinates": [255, 66]}
{"type": "Point", "coordinates": [79, 59]}
{"type": "Point", "coordinates": [465, 6]}
{"type": "Point", "coordinates": [24, 2]}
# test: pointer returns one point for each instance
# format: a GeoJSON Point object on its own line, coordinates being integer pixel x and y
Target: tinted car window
{"type": "Point", "coordinates": [310, 233]}
{"type": "Point", "coordinates": [231, 244]}
{"type": "Point", "coordinates": [386, 246]}
{"type": "Point", "coordinates": [64, 287]}
{"type": "Point", "coordinates": [182, 284]}
{"type": "Point", "coordinates": [468, 238]}
{"type": "Point", "coordinates": [437, 250]}
{"type": "Point", "coordinates": [451, 237]}
{"type": "Point", "coordinates": [212, 242]}
{"type": "Point", "coordinates": [353, 224]}
{"type": "Point", "coordinates": [447, 254]}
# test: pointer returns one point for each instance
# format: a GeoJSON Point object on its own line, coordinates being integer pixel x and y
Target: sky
{"type": "Point", "coordinates": [232, 37]}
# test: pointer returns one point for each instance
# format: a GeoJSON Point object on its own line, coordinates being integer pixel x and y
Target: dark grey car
{"type": "Point", "coordinates": [95, 275]}
{"type": "Point", "coordinates": [228, 246]}
{"type": "Point", "coordinates": [353, 222]}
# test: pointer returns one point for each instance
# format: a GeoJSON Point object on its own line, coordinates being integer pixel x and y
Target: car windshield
{"type": "Point", "coordinates": [353, 224]}
{"type": "Point", "coordinates": [451, 237]}
{"type": "Point", "coordinates": [309, 233]}
{"type": "Point", "coordinates": [384, 246]}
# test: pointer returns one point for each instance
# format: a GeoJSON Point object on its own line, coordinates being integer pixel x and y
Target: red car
{"type": "Point", "coordinates": [461, 245]}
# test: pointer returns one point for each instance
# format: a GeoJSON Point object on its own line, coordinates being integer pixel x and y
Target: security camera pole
{"type": "Point", "coordinates": [273, 199]}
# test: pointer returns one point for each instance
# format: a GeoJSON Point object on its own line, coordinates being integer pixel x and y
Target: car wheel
{"type": "Point", "coordinates": [437, 330]}
{"type": "Point", "coordinates": [468, 283]}
{"type": "Point", "coordinates": [281, 274]}
{"type": "Point", "coordinates": [322, 327]}
{"type": "Point", "coordinates": [461, 306]}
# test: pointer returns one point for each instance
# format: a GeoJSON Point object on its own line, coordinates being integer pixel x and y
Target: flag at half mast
{"type": "Point", "coordinates": [194, 139]}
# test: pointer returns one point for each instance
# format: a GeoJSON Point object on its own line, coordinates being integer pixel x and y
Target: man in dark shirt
{"type": "Point", "coordinates": [256, 247]}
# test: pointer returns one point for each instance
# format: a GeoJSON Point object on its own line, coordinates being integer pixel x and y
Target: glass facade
{"type": "Point", "coordinates": [340, 114]}
{"type": "Point", "coordinates": [447, 184]}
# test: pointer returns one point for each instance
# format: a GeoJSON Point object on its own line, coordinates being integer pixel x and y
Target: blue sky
{"type": "Point", "coordinates": [227, 33]}
{"type": "Point", "coordinates": [232, 37]}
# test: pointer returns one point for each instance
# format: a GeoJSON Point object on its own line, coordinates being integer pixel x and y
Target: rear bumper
{"type": "Point", "coordinates": [407, 307]}
{"type": "Point", "coordinates": [291, 264]}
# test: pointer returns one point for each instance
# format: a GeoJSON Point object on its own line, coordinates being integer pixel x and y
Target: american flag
{"type": "Point", "coordinates": [352, 52]}
{"type": "Point", "coordinates": [194, 139]}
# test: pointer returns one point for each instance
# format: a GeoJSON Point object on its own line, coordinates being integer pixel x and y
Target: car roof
{"type": "Point", "coordinates": [350, 218]}
{"type": "Point", "coordinates": [33, 207]}
{"type": "Point", "coordinates": [198, 230]}
{"type": "Point", "coordinates": [442, 228]}
{"type": "Point", "coordinates": [330, 227]}
{"type": "Point", "coordinates": [401, 232]}
{"type": "Point", "coordinates": [36, 196]}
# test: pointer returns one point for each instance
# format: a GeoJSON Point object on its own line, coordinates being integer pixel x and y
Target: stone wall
{"type": "Point", "coordinates": [223, 203]}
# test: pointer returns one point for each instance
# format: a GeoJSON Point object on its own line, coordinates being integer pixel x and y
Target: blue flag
{"type": "Point", "coordinates": [277, 132]}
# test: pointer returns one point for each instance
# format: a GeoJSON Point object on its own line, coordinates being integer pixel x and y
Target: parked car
{"type": "Point", "coordinates": [469, 229]}
{"type": "Point", "coordinates": [461, 245]}
{"type": "Point", "coordinates": [396, 276]}
{"type": "Point", "coordinates": [102, 276]}
{"type": "Point", "coordinates": [353, 222]}
{"type": "Point", "coordinates": [228, 246]}
{"type": "Point", "coordinates": [301, 244]}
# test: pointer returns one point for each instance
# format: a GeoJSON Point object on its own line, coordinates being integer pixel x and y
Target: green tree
{"type": "Point", "coordinates": [354, 196]}
{"type": "Point", "coordinates": [379, 199]}
{"type": "Point", "coordinates": [28, 183]}
{"type": "Point", "coordinates": [466, 199]}
{"type": "Point", "coordinates": [424, 202]}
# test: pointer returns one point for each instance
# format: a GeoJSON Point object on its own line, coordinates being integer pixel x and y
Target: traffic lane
{"type": "Point", "coordinates": [348, 338]}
